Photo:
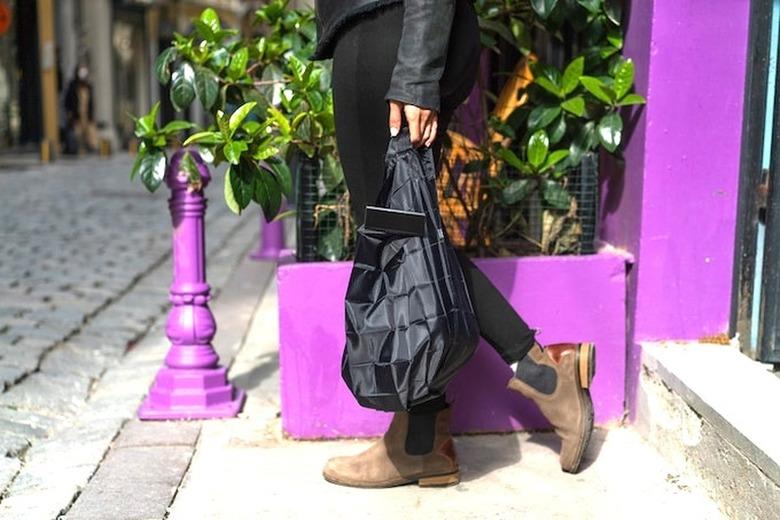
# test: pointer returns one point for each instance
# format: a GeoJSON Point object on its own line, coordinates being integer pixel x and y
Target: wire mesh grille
{"type": "Point", "coordinates": [324, 222]}
{"type": "Point", "coordinates": [538, 225]}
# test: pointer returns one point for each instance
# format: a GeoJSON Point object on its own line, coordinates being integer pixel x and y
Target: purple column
{"type": "Point", "coordinates": [271, 240]}
{"type": "Point", "coordinates": [192, 384]}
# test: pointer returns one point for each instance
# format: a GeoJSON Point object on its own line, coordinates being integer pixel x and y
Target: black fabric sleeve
{"type": "Point", "coordinates": [422, 52]}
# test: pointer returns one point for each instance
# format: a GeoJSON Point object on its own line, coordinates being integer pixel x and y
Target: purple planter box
{"type": "Point", "coordinates": [567, 298]}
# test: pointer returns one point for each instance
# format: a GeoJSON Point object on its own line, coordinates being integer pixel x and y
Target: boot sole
{"type": "Point", "coordinates": [586, 370]}
{"type": "Point", "coordinates": [440, 480]}
{"type": "Point", "coordinates": [449, 479]}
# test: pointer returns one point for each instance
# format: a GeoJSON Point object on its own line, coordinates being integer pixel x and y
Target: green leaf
{"type": "Point", "coordinates": [614, 10]}
{"type": "Point", "coordinates": [331, 244]}
{"type": "Point", "coordinates": [585, 141]}
{"type": "Point", "coordinates": [238, 116]}
{"type": "Point", "coordinates": [542, 116]}
{"type": "Point", "coordinates": [516, 191]}
{"type": "Point", "coordinates": [284, 176]}
{"type": "Point", "coordinates": [503, 128]}
{"type": "Point", "coordinates": [219, 59]}
{"type": "Point", "coordinates": [162, 65]}
{"type": "Point", "coordinates": [610, 131]}
{"type": "Point", "coordinates": [264, 152]}
{"type": "Point", "coordinates": [511, 158]}
{"type": "Point", "coordinates": [183, 86]}
{"type": "Point", "coordinates": [632, 99]}
{"type": "Point", "coordinates": [176, 126]}
{"type": "Point", "coordinates": [598, 88]}
{"type": "Point", "coordinates": [233, 151]}
{"type": "Point", "coordinates": [151, 169]}
{"type": "Point", "coordinates": [210, 17]}
{"type": "Point", "coordinates": [555, 194]}
{"type": "Point", "coordinates": [558, 130]}
{"type": "Point", "coordinates": [281, 122]}
{"type": "Point", "coordinates": [137, 163]}
{"type": "Point", "coordinates": [575, 105]}
{"type": "Point", "coordinates": [315, 100]}
{"type": "Point", "coordinates": [572, 74]}
{"type": "Point", "coordinates": [244, 182]}
{"type": "Point", "coordinates": [189, 165]}
{"type": "Point", "coordinates": [268, 194]}
{"type": "Point", "coordinates": [624, 78]}
{"type": "Point", "coordinates": [607, 51]}
{"type": "Point", "coordinates": [206, 154]}
{"type": "Point", "coordinates": [543, 7]}
{"type": "Point", "coordinates": [554, 158]}
{"type": "Point", "coordinates": [230, 196]}
{"type": "Point", "coordinates": [615, 37]}
{"type": "Point", "coordinates": [222, 123]}
{"type": "Point", "coordinates": [205, 31]}
{"type": "Point", "coordinates": [548, 85]}
{"type": "Point", "coordinates": [144, 126]}
{"type": "Point", "coordinates": [237, 67]}
{"type": "Point", "coordinates": [538, 145]}
{"type": "Point", "coordinates": [206, 87]}
{"type": "Point", "coordinates": [593, 6]}
{"type": "Point", "coordinates": [499, 28]}
{"type": "Point", "coordinates": [204, 138]}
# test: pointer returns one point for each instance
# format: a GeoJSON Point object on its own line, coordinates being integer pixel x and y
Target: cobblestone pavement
{"type": "Point", "coordinates": [84, 275]}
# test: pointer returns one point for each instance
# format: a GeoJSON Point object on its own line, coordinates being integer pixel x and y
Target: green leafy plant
{"type": "Point", "coordinates": [264, 99]}
{"type": "Point", "coordinates": [571, 108]}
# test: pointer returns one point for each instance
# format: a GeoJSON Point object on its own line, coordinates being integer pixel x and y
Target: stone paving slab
{"type": "Point", "coordinates": [133, 483]}
{"type": "Point", "coordinates": [137, 433]}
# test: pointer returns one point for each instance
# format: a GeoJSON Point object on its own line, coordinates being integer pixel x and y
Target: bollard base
{"type": "Point", "coordinates": [271, 254]}
{"type": "Point", "coordinates": [192, 394]}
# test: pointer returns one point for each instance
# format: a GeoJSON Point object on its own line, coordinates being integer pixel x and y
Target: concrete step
{"type": "Point", "coordinates": [713, 412]}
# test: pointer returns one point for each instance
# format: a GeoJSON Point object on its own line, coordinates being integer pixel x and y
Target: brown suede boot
{"type": "Point", "coordinates": [388, 463]}
{"type": "Point", "coordinates": [557, 379]}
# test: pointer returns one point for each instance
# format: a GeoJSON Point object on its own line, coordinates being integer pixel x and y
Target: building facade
{"type": "Point", "coordinates": [43, 41]}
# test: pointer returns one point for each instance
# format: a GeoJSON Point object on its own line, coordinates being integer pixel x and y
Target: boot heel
{"type": "Point", "coordinates": [440, 480]}
{"type": "Point", "coordinates": [586, 358]}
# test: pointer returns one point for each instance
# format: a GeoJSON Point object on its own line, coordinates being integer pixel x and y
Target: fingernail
{"type": "Point", "coordinates": [393, 131]}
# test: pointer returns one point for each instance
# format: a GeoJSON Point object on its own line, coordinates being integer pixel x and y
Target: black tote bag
{"type": "Point", "coordinates": [409, 319]}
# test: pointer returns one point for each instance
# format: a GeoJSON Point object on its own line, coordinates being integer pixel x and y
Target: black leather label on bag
{"type": "Point", "coordinates": [395, 221]}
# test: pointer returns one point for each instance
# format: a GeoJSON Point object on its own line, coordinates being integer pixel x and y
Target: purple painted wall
{"type": "Point", "coordinates": [691, 168]}
{"type": "Point", "coordinates": [567, 298]}
{"type": "Point", "coordinates": [674, 208]}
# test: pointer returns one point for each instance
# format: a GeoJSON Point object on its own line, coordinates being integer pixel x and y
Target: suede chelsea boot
{"type": "Point", "coordinates": [557, 378]}
{"type": "Point", "coordinates": [426, 457]}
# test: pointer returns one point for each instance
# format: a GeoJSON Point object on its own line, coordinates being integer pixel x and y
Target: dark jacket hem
{"type": "Point", "coordinates": [326, 42]}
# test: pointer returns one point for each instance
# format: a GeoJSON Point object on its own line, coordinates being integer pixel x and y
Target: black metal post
{"type": "Point", "coordinates": [757, 78]}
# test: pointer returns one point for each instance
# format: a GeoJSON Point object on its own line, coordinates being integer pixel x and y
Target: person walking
{"type": "Point", "coordinates": [412, 63]}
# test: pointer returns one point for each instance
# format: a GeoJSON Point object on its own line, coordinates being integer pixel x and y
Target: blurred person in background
{"type": "Point", "coordinates": [80, 127]}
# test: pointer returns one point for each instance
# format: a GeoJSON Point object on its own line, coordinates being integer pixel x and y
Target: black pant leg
{"type": "Point", "coordinates": [364, 57]}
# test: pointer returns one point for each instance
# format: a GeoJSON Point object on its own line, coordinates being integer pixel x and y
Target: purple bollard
{"type": "Point", "coordinates": [192, 384]}
{"type": "Point", "coordinates": [271, 240]}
